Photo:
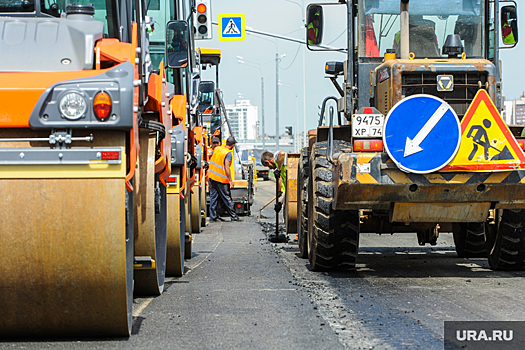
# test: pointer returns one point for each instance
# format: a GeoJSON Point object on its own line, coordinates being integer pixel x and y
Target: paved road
{"type": "Point", "coordinates": [241, 292]}
{"type": "Point", "coordinates": [402, 293]}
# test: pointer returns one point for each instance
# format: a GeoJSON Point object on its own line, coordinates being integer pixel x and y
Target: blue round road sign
{"type": "Point", "coordinates": [422, 134]}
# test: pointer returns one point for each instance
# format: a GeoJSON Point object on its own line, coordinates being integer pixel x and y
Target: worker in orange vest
{"type": "Point", "coordinates": [221, 181]}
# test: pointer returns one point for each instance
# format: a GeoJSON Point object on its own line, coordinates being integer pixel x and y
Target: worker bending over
{"type": "Point", "coordinates": [277, 162]}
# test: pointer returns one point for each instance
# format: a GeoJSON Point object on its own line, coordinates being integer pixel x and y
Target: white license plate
{"type": "Point", "coordinates": [367, 125]}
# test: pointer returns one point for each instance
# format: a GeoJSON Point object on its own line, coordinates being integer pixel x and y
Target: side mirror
{"type": "Point", "coordinates": [177, 44]}
{"type": "Point", "coordinates": [509, 25]}
{"type": "Point", "coordinates": [314, 27]}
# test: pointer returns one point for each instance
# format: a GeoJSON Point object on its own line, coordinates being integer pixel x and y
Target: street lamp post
{"type": "Point", "coordinates": [305, 137]}
{"type": "Point", "coordinates": [276, 101]}
{"type": "Point", "coordinates": [277, 60]}
{"type": "Point", "coordinates": [262, 111]}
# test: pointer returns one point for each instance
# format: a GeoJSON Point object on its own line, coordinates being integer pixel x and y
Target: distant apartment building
{"type": "Point", "coordinates": [244, 120]}
{"type": "Point", "coordinates": [514, 111]}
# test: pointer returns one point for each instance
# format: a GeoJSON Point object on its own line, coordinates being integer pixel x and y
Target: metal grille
{"type": "Point", "coordinates": [465, 87]}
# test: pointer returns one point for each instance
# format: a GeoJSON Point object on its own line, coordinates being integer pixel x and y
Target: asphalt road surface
{"type": "Point", "coordinates": [242, 292]}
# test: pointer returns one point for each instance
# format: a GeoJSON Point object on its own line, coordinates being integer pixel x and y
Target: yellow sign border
{"type": "Point", "coordinates": [242, 29]}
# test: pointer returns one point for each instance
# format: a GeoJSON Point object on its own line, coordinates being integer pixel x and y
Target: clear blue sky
{"type": "Point", "coordinates": [286, 18]}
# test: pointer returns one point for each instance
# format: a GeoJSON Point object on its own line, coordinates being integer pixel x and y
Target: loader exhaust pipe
{"type": "Point", "coordinates": [404, 35]}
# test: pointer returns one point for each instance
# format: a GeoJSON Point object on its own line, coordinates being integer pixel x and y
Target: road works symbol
{"type": "Point", "coordinates": [231, 27]}
{"type": "Point", "coordinates": [421, 134]}
{"type": "Point", "coordinates": [486, 142]}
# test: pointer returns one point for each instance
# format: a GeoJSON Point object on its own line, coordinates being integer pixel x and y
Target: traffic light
{"type": "Point", "coordinates": [289, 130]}
{"type": "Point", "coordinates": [202, 20]}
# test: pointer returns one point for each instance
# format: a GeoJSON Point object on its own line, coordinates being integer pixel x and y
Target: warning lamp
{"type": "Point", "coordinates": [102, 105]}
{"type": "Point", "coordinates": [202, 20]}
{"type": "Point", "coordinates": [368, 145]}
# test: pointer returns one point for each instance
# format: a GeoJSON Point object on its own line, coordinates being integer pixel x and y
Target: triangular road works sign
{"type": "Point", "coordinates": [486, 142]}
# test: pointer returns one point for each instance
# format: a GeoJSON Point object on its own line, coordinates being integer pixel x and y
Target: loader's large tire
{"type": "Point", "coordinates": [506, 240]}
{"type": "Point", "coordinates": [150, 219]}
{"type": "Point", "coordinates": [469, 239]}
{"type": "Point", "coordinates": [302, 203]}
{"type": "Point", "coordinates": [196, 209]}
{"type": "Point", "coordinates": [175, 251]}
{"type": "Point", "coordinates": [333, 235]}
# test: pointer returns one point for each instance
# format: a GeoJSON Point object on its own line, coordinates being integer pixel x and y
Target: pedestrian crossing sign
{"type": "Point", "coordinates": [486, 141]}
{"type": "Point", "coordinates": [231, 27]}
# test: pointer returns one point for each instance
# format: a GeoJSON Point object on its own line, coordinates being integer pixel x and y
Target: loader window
{"type": "Point", "coordinates": [17, 6]}
{"type": "Point", "coordinates": [177, 44]}
{"type": "Point", "coordinates": [206, 94]}
{"type": "Point", "coordinates": [429, 26]}
{"type": "Point", "coordinates": [215, 123]}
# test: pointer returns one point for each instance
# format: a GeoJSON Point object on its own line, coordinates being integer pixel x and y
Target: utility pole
{"type": "Point", "coordinates": [276, 101]}
{"type": "Point", "coordinates": [262, 112]}
{"type": "Point", "coordinates": [258, 66]}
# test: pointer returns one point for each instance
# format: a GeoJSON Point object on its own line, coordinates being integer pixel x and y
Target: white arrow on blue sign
{"type": "Point", "coordinates": [422, 134]}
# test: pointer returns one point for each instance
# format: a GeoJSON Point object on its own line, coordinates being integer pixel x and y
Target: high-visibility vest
{"type": "Point", "coordinates": [216, 165]}
{"type": "Point", "coordinates": [282, 170]}
{"type": "Point", "coordinates": [283, 177]}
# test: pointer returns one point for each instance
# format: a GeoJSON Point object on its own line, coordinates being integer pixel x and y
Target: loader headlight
{"type": "Point", "coordinates": [73, 106]}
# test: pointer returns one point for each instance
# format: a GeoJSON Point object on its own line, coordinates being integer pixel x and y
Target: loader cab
{"type": "Point", "coordinates": [209, 108]}
{"type": "Point", "coordinates": [429, 27]}
{"type": "Point", "coordinates": [209, 101]}
{"type": "Point", "coordinates": [448, 35]}
{"type": "Point", "coordinates": [378, 24]}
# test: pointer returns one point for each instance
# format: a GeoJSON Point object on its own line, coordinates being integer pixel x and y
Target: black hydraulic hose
{"type": "Point", "coordinates": [154, 126]}
{"type": "Point", "coordinates": [323, 106]}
